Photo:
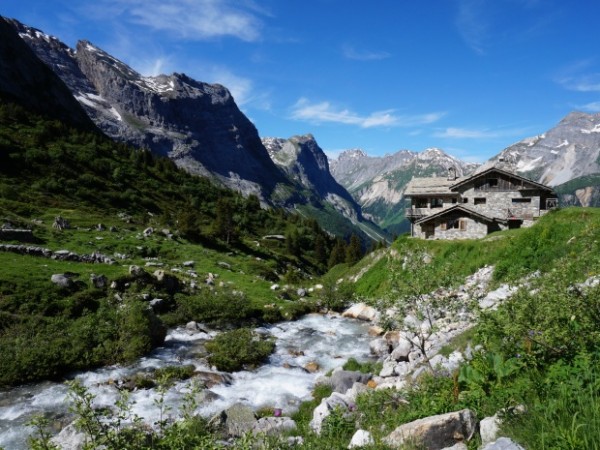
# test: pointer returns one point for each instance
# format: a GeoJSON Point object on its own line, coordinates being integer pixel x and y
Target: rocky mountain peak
{"type": "Point", "coordinates": [196, 124]}
{"type": "Point", "coordinates": [352, 154]}
{"type": "Point", "coordinates": [26, 80]}
{"type": "Point", "coordinates": [569, 150]}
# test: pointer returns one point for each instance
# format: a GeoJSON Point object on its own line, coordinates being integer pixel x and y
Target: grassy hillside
{"type": "Point", "coordinates": [137, 210]}
{"type": "Point", "coordinates": [564, 240]}
{"type": "Point", "coordinates": [540, 346]}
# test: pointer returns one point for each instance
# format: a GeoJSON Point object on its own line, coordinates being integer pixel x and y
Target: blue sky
{"type": "Point", "coordinates": [468, 76]}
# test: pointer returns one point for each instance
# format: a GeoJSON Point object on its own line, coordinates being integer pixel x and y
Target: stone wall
{"type": "Point", "coordinates": [499, 203]}
{"type": "Point", "coordinates": [473, 229]}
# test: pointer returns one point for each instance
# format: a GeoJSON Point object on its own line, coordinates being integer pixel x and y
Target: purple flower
{"type": "Point", "coordinates": [277, 412]}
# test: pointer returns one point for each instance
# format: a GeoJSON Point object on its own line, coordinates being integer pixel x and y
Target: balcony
{"type": "Point", "coordinates": [415, 213]}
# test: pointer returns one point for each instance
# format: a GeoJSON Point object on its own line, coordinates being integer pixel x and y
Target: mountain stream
{"type": "Point", "coordinates": [327, 340]}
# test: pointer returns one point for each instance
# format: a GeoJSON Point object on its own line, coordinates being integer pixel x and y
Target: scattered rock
{"type": "Point", "coordinates": [148, 232]}
{"type": "Point", "coordinates": [435, 432]}
{"type": "Point", "coordinates": [342, 380]}
{"type": "Point", "coordinates": [169, 282]}
{"type": "Point", "coordinates": [61, 224]}
{"type": "Point", "coordinates": [70, 438]}
{"type": "Point", "coordinates": [376, 331]}
{"type": "Point", "coordinates": [458, 446]}
{"type": "Point", "coordinates": [301, 292]}
{"type": "Point", "coordinates": [274, 287]}
{"type": "Point", "coordinates": [361, 438]}
{"type": "Point", "coordinates": [99, 281]}
{"type": "Point", "coordinates": [321, 412]}
{"type": "Point", "coordinates": [224, 265]}
{"type": "Point", "coordinates": [188, 263]}
{"type": "Point", "coordinates": [235, 421]}
{"type": "Point", "coordinates": [503, 444]}
{"type": "Point", "coordinates": [273, 426]}
{"type": "Point", "coordinates": [62, 280]}
{"type": "Point", "coordinates": [489, 429]}
{"type": "Point", "coordinates": [158, 305]}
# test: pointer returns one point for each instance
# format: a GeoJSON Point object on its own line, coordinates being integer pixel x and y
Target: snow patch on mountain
{"type": "Point", "coordinates": [596, 129]}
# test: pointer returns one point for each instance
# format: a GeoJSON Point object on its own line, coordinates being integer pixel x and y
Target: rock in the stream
{"type": "Point", "coordinates": [435, 432]}
{"type": "Point", "coordinates": [361, 311]}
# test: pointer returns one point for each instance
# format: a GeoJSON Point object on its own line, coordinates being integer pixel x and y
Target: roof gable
{"type": "Point", "coordinates": [457, 208]}
{"type": "Point", "coordinates": [491, 170]}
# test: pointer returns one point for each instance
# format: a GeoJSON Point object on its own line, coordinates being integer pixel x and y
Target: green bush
{"type": "Point", "coordinates": [237, 349]}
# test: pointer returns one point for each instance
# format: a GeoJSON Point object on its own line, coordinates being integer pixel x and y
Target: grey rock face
{"type": "Point", "coordinates": [569, 151]}
{"type": "Point", "coordinates": [301, 158]}
{"type": "Point", "coordinates": [25, 79]}
{"type": "Point", "coordinates": [435, 432]}
{"type": "Point", "coordinates": [196, 124]}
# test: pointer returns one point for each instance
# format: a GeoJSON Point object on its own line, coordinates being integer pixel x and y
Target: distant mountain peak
{"type": "Point", "coordinates": [353, 153]}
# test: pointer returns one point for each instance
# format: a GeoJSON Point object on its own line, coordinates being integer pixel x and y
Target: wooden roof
{"type": "Point", "coordinates": [486, 172]}
{"type": "Point", "coordinates": [443, 186]}
{"type": "Point", "coordinates": [430, 185]}
{"type": "Point", "coordinates": [457, 208]}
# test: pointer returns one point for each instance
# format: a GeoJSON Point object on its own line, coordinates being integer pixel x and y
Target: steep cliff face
{"type": "Point", "coordinates": [196, 124]}
{"type": "Point", "coordinates": [306, 163]}
{"type": "Point", "coordinates": [26, 80]}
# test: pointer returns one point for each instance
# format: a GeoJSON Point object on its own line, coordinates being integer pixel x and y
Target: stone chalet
{"type": "Point", "coordinates": [471, 207]}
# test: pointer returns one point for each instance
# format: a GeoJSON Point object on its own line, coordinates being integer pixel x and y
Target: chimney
{"type": "Point", "coordinates": [451, 173]}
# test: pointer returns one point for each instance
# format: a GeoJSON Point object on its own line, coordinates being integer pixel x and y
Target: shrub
{"type": "Point", "coordinates": [234, 350]}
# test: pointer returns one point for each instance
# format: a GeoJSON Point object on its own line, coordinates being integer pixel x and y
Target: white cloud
{"type": "Point", "coordinates": [472, 24]}
{"type": "Point", "coordinates": [580, 76]}
{"type": "Point", "coordinates": [463, 133]}
{"type": "Point", "coordinates": [482, 133]}
{"type": "Point", "coordinates": [363, 55]}
{"type": "Point", "coordinates": [326, 112]}
{"type": "Point", "coordinates": [243, 89]}
{"type": "Point", "coordinates": [188, 19]}
{"type": "Point", "coordinates": [592, 107]}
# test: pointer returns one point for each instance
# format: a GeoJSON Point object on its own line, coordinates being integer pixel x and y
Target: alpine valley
{"type": "Point", "coordinates": [566, 157]}
{"type": "Point", "coordinates": [198, 126]}
{"type": "Point", "coordinates": [171, 280]}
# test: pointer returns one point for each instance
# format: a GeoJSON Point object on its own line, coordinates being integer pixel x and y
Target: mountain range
{"type": "Point", "coordinates": [566, 157]}
{"type": "Point", "coordinates": [199, 126]}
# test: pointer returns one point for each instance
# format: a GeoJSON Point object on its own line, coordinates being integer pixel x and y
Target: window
{"type": "Point", "coordinates": [437, 202]}
{"type": "Point", "coordinates": [479, 201]}
{"type": "Point", "coordinates": [465, 200]}
{"type": "Point", "coordinates": [521, 200]}
{"type": "Point", "coordinates": [462, 224]}
{"type": "Point", "coordinates": [493, 182]}
{"type": "Point", "coordinates": [443, 226]}
{"type": "Point", "coordinates": [451, 224]}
